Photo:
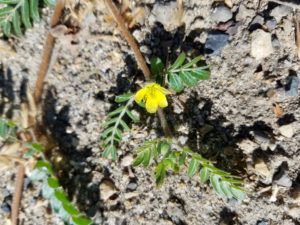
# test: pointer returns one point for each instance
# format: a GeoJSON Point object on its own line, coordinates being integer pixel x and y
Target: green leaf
{"type": "Point", "coordinates": [135, 118]}
{"type": "Point", "coordinates": [139, 159]}
{"type": "Point", "coordinates": [147, 157]}
{"type": "Point", "coordinates": [215, 182]}
{"type": "Point", "coordinates": [204, 175]}
{"type": "Point", "coordinates": [182, 159]}
{"type": "Point", "coordinates": [188, 79]}
{"type": "Point", "coordinates": [193, 167]}
{"type": "Point", "coordinates": [110, 151]}
{"type": "Point", "coordinates": [175, 82]}
{"type": "Point", "coordinates": [70, 209]}
{"type": "Point", "coordinates": [41, 164]}
{"type": "Point", "coordinates": [53, 182]}
{"type": "Point", "coordinates": [107, 132]}
{"type": "Point", "coordinates": [17, 24]}
{"type": "Point", "coordinates": [179, 61]}
{"type": "Point", "coordinates": [238, 193]}
{"type": "Point", "coordinates": [200, 74]}
{"type": "Point", "coordinates": [34, 10]}
{"type": "Point", "coordinates": [124, 125]}
{"type": "Point", "coordinates": [160, 174]}
{"type": "Point", "coordinates": [81, 220]}
{"type": "Point", "coordinates": [61, 196]}
{"type": "Point", "coordinates": [164, 148]}
{"type": "Point", "coordinates": [33, 148]}
{"type": "Point", "coordinates": [225, 186]}
{"type": "Point", "coordinates": [25, 14]}
{"type": "Point", "coordinates": [192, 62]}
{"type": "Point", "coordinates": [7, 28]}
{"type": "Point", "coordinates": [157, 66]}
{"type": "Point", "coordinates": [50, 3]}
{"type": "Point", "coordinates": [7, 128]}
{"type": "Point", "coordinates": [116, 111]}
{"type": "Point", "coordinates": [123, 97]}
{"type": "Point", "coordinates": [109, 122]}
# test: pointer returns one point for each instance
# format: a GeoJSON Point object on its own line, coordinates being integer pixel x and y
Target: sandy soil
{"type": "Point", "coordinates": [231, 115]}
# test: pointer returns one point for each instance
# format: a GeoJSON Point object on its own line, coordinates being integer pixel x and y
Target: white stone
{"type": "Point", "coordinates": [261, 44]}
{"type": "Point", "coordinates": [287, 130]}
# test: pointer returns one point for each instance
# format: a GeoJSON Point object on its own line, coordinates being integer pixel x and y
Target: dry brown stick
{"type": "Point", "coordinates": [120, 21]}
{"type": "Point", "coordinates": [289, 4]}
{"type": "Point", "coordinates": [297, 20]}
{"type": "Point", "coordinates": [47, 53]}
{"type": "Point", "coordinates": [17, 194]}
{"type": "Point", "coordinates": [139, 57]}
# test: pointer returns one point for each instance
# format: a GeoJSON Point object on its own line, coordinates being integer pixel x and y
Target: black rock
{"type": "Point", "coordinates": [215, 42]}
{"type": "Point", "coordinates": [292, 84]}
{"type": "Point", "coordinates": [132, 186]}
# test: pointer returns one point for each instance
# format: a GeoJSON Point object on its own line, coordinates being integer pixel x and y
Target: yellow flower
{"type": "Point", "coordinates": [153, 95]}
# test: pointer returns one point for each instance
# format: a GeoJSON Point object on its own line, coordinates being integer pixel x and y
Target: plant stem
{"type": "Point", "coordinates": [47, 53]}
{"type": "Point", "coordinates": [138, 55]}
{"type": "Point", "coordinates": [127, 35]}
{"type": "Point", "coordinates": [17, 194]}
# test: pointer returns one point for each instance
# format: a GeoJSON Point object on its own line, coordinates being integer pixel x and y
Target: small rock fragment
{"type": "Point", "coordinates": [127, 161]}
{"type": "Point", "coordinates": [248, 146]}
{"type": "Point", "coordinates": [292, 86]}
{"type": "Point", "coordinates": [166, 14]}
{"type": "Point", "coordinates": [107, 189]}
{"type": "Point", "coordinates": [294, 212]}
{"type": "Point", "coordinates": [221, 14]}
{"type": "Point", "coordinates": [132, 186]}
{"type": "Point", "coordinates": [215, 42]}
{"type": "Point", "coordinates": [262, 169]}
{"type": "Point", "coordinates": [284, 181]}
{"type": "Point", "coordinates": [261, 45]}
{"type": "Point", "coordinates": [271, 24]}
{"type": "Point", "coordinates": [287, 130]}
{"type": "Point", "coordinates": [281, 11]}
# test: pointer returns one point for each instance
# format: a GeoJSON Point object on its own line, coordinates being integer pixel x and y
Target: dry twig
{"type": "Point", "coordinates": [47, 53]}
{"type": "Point", "coordinates": [297, 20]}
{"type": "Point", "coordinates": [289, 4]}
{"type": "Point", "coordinates": [17, 194]}
{"type": "Point", "coordinates": [120, 21]}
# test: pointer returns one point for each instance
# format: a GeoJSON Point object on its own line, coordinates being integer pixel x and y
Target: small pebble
{"type": "Point", "coordinates": [287, 130]}
{"type": "Point", "coordinates": [271, 24]}
{"type": "Point", "coordinates": [292, 86]}
{"type": "Point", "coordinates": [221, 14]}
{"type": "Point", "coordinates": [132, 186]}
{"type": "Point", "coordinates": [215, 42]}
{"type": "Point", "coordinates": [261, 45]}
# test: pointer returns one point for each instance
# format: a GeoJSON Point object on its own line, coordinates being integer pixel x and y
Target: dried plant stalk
{"type": "Point", "coordinates": [17, 194]}
{"type": "Point", "coordinates": [121, 23]}
{"type": "Point", "coordinates": [47, 53]}
{"type": "Point", "coordinates": [297, 20]}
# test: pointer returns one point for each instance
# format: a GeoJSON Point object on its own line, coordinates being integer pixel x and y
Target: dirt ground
{"type": "Point", "coordinates": [246, 117]}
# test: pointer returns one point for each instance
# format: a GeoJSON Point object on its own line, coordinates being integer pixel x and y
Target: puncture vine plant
{"type": "Point", "coordinates": [165, 153]}
{"type": "Point", "coordinates": [16, 14]}
{"type": "Point", "coordinates": [43, 172]}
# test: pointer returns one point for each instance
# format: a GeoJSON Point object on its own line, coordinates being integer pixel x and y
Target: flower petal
{"type": "Point", "coordinates": [151, 105]}
{"type": "Point", "coordinates": [139, 96]}
{"type": "Point", "coordinates": [162, 100]}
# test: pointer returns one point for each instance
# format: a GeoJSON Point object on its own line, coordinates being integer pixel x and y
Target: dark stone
{"type": "Point", "coordinates": [215, 42]}
{"type": "Point", "coordinates": [292, 84]}
{"type": "Point", "coordinates": [132, 186]}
